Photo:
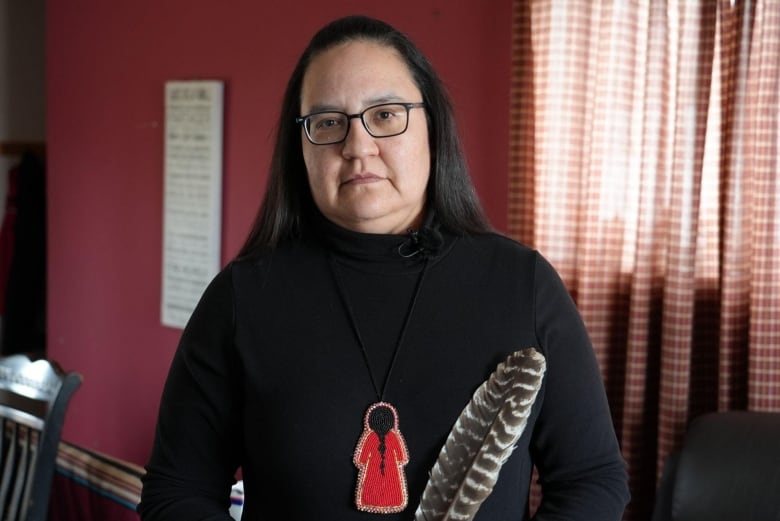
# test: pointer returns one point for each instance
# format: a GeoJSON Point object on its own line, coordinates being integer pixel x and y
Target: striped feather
{"type": "Point", "coordinates": [482, 439]}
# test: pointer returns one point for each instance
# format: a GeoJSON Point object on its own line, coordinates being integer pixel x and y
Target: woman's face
{"type": "Point", "coordinates": [366, 184]}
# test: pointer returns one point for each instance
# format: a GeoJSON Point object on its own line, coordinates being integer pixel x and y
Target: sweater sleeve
{"type": "Point", "coordinates": [198, 437]}
{"type": "Point", "coordinates": [575, 449]}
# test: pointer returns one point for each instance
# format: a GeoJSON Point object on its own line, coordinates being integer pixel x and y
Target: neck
{"type": "Point", "coordinates": [386, 226]}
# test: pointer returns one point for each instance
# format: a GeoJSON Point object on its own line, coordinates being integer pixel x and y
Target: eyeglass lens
{"type": "Point", "coordinates": [380, 121]}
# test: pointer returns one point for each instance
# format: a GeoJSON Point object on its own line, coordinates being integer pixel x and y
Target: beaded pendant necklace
{"type": "Point", "coordinates": [380, 454]}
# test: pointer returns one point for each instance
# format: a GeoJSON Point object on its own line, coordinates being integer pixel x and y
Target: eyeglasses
{"type": "Point", "coordinates": [385, 120]}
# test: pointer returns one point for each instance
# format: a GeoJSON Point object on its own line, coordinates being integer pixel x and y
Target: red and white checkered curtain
{"type": "Point", "coordinates": [644, 165]}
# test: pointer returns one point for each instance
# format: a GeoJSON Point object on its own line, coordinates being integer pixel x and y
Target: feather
{"type": "Point", "coordinates": [482, 439]}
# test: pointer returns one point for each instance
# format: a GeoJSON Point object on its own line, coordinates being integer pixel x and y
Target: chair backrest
{"type": "Point", "coordinates": [34, 396]}
{"type": "Point", "coordinates": [728, 468]}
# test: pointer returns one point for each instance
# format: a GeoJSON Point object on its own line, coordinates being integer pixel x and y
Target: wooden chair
{"type": "Point", "coordinates": [34, 396]}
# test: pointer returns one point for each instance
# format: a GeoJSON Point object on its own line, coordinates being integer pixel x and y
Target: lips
{"type": "Point", "coordinates": [358, 179]}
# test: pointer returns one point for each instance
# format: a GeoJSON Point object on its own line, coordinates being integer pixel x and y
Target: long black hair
{"type": "Point", "coordinates": [288, 205]}
{"type": "Point", "coordinates": [382, 419]}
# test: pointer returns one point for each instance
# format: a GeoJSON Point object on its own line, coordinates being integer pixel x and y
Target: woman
{"type": "Point", "coordinates": [371, 277]}
{"type": "Point", "coordinates": [381, 455]}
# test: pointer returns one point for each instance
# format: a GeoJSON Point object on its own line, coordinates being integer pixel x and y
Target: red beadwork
{"type": "Point", "coordinates": [381, 486]}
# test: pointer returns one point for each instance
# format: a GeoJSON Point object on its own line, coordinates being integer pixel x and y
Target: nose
{"type": "Point", "coordinates": [358, 142]}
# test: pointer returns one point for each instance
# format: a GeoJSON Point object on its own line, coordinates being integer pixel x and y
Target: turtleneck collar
{"type": "Point", "coordinates": [383, 250]}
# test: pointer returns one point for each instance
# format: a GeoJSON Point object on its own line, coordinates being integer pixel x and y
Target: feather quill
{"type": "Point", "coordinates": [482, 439]}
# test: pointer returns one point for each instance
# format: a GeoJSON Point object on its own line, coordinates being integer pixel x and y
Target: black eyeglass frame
{"type": "Point", "coordinates": [302, 120]}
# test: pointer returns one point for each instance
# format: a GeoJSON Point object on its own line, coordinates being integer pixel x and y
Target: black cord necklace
{"type": "Point", "coordinates": [381, 452]}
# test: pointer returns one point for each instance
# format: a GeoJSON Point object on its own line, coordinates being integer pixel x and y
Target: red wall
{"type": "Point", "coordinates": [106, 66]}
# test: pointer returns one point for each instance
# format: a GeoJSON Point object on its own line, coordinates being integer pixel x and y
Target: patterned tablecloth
{"type": "Point", "coordinates": [89, 486]}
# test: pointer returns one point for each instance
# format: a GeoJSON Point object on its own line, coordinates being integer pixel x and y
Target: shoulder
{"type": "Point", "coordinates": [271, 273]}
{"type": "Point", "coordinates": [289, 254]}
{"type": "Point", "coordinates": [506, 258]}
{"type": "Point", "coordinates": [497, 248]}
{"type": "Point", "coordinates": [503, 243]}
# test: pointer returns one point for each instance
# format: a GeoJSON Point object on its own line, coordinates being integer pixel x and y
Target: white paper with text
{"type": "Point", "coordinates": [192, 213]}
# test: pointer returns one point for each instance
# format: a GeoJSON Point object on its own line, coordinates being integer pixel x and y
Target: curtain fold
{"type": "Point", "coordinates": [644, 165]}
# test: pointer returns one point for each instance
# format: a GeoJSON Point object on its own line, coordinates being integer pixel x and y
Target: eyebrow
{"type": "Point", "coordinates": [377, 100]}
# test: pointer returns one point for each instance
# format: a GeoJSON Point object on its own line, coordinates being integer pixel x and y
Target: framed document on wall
{"type": "Point", "coordinates": [192, 200]}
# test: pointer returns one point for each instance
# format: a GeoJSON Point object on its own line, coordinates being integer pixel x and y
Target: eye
{"type": "Point", "coordinates": [387, 117]}
{"type": "Point", "coordinates": [328, 122]}
{"type": "Point", "coordinates": [385, 114]}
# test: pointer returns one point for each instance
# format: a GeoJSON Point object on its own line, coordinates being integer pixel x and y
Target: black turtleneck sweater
{"type": "Point", "coordinates": [270, 377]}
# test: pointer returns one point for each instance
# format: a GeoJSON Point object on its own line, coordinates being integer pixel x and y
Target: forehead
{"type": "Point", "coordinates": [355, 74]}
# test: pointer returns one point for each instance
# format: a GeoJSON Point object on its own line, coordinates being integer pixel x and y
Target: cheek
{"type": "Point", "coordinates": [318, 177]}
{"type": "Point", "coordinates": [309, 159]}
{"type": "Point", "coordinates": [320, 161]}
{"type": "Point", "coordinates": [422, 150]}
{"type": "Point", "coordinates": [313, 163]}
{"type": "Point", "coordinates": [418, 162]}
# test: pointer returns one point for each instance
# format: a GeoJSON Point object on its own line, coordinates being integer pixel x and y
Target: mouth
{"type": "Point", "coordinates": [360, 179]}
